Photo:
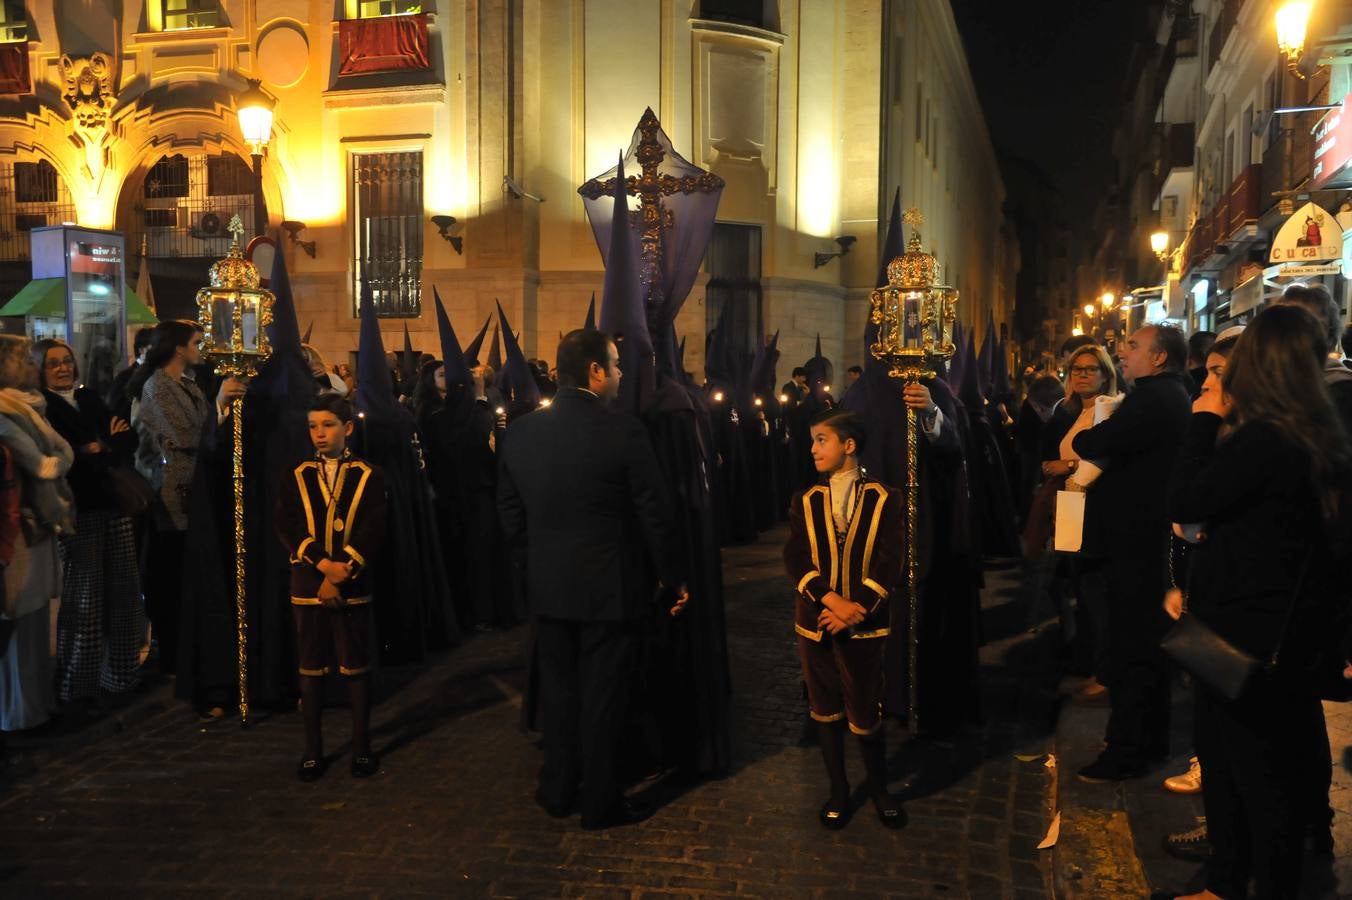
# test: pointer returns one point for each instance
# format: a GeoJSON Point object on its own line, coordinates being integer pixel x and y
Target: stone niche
{"type": "Point", "coordinates": [736, 89]}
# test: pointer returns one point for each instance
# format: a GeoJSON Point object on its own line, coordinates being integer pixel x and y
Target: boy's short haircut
{"type": "Point", "coordinates": [798, 370]}
{"type": "Point", "coordinates": [845, 424]}
{"type": "Point", "coordinates": [332, 403]}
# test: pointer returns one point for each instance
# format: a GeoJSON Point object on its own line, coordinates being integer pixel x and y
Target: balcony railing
{"type": "Point", "coordinates": [1245, 198]}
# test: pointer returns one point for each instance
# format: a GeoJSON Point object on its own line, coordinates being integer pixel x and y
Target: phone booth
{"type": "Point", "coordinates": [79, 293]}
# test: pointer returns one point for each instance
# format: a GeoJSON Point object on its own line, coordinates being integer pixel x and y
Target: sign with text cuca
{"type": "Point", "coordinates": [1332, 145]}
{"type": "Point", "coordinates": [1311, 235]}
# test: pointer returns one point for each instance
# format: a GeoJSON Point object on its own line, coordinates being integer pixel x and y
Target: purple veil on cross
{"type": "Point", "coordinates": [678, 202]}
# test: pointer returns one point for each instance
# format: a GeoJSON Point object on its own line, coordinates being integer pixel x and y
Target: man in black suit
{"type": "Point", "coordinates": [1126, 522]}
{"type": "Point", "coordinates": [579, 485]}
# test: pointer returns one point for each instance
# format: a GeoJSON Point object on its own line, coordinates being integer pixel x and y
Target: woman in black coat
{"type": "Point", "coordinates": [1264, 467]}
{"type": "Point", "coordinates": [101, 626]}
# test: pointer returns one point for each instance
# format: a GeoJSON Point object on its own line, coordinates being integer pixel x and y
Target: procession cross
{"type": "Point", "coordinates": [650, 187]}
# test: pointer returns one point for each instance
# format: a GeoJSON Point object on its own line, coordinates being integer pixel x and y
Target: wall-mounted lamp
{"type": "Point", "coordinates": [444, 224]}
{"type": "Point", "coordinates": [294, 228]}
{"type": "Point", "coordinates": [845, 241]}
{"type": "Point", "coordinates": [1159, 242]}
{"type": "Point", "coordinates": [1293, 20]}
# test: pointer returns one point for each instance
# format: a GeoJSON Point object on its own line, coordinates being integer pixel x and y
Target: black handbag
{"type": "Point", "coordinates": [1216, 662]}
{"type": "Point", "coordinates": [134, 495]}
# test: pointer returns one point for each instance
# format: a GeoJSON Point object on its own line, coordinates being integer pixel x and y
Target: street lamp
{"type": "Point", "coordinates": [254, 109]}
{"type": "Point", "coordinates": [1159, 242]}
{"type": "Point", "coordinates": [1090, 309]}
{"type": "Point", "coordinates": [1107, 299]}
{"type": "Point", "coordinates": [1293, 18]}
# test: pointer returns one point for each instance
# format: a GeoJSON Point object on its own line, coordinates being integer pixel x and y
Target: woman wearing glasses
{"type": "Point", "coordinates": [1090, 374]}
{"type": "Point", "coordinates": [100, 626]}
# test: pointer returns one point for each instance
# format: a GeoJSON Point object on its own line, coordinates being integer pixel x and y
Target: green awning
{"type": "Point", "coordinates": [47, 297]}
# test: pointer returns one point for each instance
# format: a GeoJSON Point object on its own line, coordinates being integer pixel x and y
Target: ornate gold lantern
{"type": "Point", "coordinates": [234, 313]}
{"type": "Point", "coordinates": [914, 316]}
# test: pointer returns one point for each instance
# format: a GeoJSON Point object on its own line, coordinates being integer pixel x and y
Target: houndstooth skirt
{"type": "Point", "coordinates": [101, 625]}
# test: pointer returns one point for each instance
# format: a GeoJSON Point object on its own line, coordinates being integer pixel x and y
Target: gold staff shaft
{"type": "Point", "coordinates": [241, 589]}
{"type": "Point", "coordinates": [912, 572]}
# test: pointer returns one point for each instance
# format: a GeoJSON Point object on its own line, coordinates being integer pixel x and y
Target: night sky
{"type": "Point", "coordinates": [1050, 76]}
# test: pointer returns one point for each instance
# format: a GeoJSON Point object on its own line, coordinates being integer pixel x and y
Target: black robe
{"type": "Point", "coordinates": [949, 569]}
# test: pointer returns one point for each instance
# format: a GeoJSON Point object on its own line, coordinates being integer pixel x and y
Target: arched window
{"type": "Point", "coordinates": [186, 202]}
{"type": "Point", "coordinates": [32, 195]}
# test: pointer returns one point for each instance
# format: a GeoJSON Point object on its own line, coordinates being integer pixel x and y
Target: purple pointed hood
{"type": "Point", "coordinates": [476, 345]}
{"type": "Point", "coordinates": [517, 381]}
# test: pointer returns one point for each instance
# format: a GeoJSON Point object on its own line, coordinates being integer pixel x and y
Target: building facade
{"type": "Point", "coordinates": [1259, 150]}
{"type": "Point", "coordinates": [393, 117]}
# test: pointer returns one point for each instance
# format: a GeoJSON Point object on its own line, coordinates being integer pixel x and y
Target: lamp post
{"type": "Point", "coordinates": [254, 109]}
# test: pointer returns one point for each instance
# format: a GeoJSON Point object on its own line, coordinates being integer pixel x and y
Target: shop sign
{"type": "Point", "coordinates": [1299, 271]}
{"type": "Point", "coordinates": [1332, 145]}
{"type": "Point", "coordinates": [1311, 235]}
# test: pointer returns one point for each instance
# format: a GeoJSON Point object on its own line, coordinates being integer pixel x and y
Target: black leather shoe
{"type": "Point", "coordinates": [310, 768]}
{"type": "Point", "coordinates": [889, 811]}
{"type": "Point", "coordinates": [623, 812]}
{"type": "Point", "coordinates": [1107, 768]}
{"type": "Point", "coordinates": [834, 817]}
{"type": "Point", "coordinates": [556, 810]}
{"type": "Point", "coordinates": [364, 765]}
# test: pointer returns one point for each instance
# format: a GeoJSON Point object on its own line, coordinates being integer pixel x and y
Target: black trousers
{"type": "Point", "coordinates": [162, 584]}
{"type": "Point", "coordinates": [1255, 786]}
{"type": "Point", "coordinates": [584, 675]}
{"type": "Point", "coordinates": [1138, 728]}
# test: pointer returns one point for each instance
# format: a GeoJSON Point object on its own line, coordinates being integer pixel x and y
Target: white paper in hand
{"type": "Point", "coordinates": [1069, 521]}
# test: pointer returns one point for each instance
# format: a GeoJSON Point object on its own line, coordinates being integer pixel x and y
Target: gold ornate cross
{"type": "Point", "coordinates": [650, 187]}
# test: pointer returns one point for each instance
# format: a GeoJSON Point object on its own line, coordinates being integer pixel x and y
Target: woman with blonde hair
{"type": "Point", "coordinates": [32, 580]}
{"type": "Point", "coordinates": [1090, 375]}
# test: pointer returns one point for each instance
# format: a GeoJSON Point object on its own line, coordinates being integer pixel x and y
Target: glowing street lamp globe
{"type": "Point", "coordinates": [1108, 300]}
{"type": "Point", "coordinates": [1159, 243]}
{"type": "Point", "coordinates": [1293, 19]}
{"type": "Point", "coordinates": [254, 109]}
{"type": "Point", "coordinates": [1089, 309]}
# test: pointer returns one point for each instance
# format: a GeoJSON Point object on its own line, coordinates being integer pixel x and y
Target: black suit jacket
{"type": "Point", "coordinates": [1137, 447]}
{"type": "Point", "coordinates": [579, 485]}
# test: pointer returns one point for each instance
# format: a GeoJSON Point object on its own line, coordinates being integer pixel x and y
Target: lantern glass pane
{"type": "Point", "coordinates": [249, 325]}
{"type": "Point", "coordinates": [222, 320]}
{"type": "Point", "coordinates": [912, 338]}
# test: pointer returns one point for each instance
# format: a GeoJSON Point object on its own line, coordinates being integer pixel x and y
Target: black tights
{"type": "Point", "coordinates": [312, 707]}
{"type": "Point", "coordinates": [872, 747]}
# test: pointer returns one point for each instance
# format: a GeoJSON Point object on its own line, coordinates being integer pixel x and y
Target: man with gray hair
{"type": "Point", "coordinates": [1127, 524]}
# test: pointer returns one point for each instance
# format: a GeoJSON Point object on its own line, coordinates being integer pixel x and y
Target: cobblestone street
{"type": "Point", "coordinates": [172, 808]}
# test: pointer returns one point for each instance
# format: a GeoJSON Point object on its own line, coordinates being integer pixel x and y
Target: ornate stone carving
{"type": "Point", "coordinates": [88, 91]}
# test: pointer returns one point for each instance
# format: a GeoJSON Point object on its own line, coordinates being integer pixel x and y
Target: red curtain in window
{"type": "Point", "coordinates": [14, 69]}
{"type": "Point", "coordinates": [385, 44]}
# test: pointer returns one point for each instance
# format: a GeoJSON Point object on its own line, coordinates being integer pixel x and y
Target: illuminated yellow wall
{"type": "Point", "coordinates": [548, 92]}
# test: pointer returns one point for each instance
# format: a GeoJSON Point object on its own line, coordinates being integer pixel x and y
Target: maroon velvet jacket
{"type": "Point", "coordinates": [863, 567]}
{"type": "Point", "coordinates": [347, 527]}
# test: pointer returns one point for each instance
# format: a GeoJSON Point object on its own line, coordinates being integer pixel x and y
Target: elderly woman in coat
{"type": "Point", "coordinates": [32, 578]}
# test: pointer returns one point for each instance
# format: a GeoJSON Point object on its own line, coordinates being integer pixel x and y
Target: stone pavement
{"type": "Point", "coordinates": [168, 807]}
{"type": "Point", "coordinates": [1131, 819]}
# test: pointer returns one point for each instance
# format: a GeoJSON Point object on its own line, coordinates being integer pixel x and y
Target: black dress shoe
{"type": "Point", "coordinates": [834, 816]}
{"type": "Point", "coordinates": [889, 811]}
{"type": "Point", "coordinates": [556, 810]}
{"type": "Point", "coordinates": [623, 812]}
{"type": "Point", "coordinates": [1110, 768]}
{"type": "Point", "coordinates": [364, 765]}
{"type": "Point", "coordinates": [310, 768]}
